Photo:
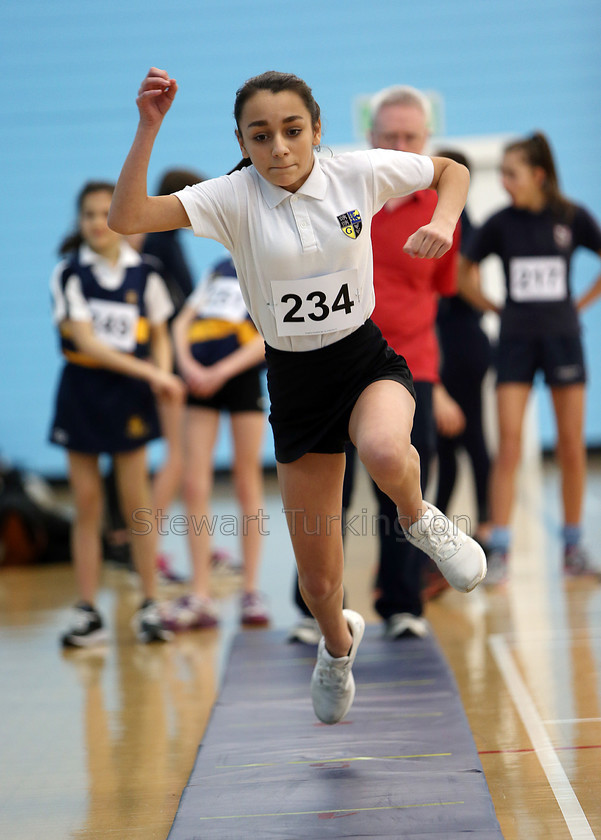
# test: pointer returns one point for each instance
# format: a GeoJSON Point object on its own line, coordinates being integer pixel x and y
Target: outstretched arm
{"type": "Point", "coordinates": [132, 209]}
{"type": "Point", "coordinates": [451, 182]}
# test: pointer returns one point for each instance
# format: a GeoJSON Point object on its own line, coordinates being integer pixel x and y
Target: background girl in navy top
{"type": "Point", "coordinates": [535, 238]}
{"type": "Point", "coordinates": [219, 354]}
{"type": "Point", "coordinates": [111, 308]}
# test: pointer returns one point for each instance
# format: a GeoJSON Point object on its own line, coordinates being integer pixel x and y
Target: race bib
{"type": "Point", "coordinates": [223, 299]}
{"type": "Point", "coordinates": [537, 279]}
{"type": "Point", "coordinates": [317, 305]}
{"type": "Point", "coordinates": [115, 323]}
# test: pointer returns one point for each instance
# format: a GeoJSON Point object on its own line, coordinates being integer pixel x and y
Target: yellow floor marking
{"type": "Point", "coordinates": [333, 811]}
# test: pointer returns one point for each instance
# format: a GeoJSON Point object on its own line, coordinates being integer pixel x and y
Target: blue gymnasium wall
{"type": "Point", "coordinates": [71, 69]}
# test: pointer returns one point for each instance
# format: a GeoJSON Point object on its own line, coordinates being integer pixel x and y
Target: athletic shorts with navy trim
{"type": "Point", "coordinates": [313, 393]}
{"type": "Point", "coordinates": [241, 393]}
{"type": "Point", "coordinates": [559, 357]}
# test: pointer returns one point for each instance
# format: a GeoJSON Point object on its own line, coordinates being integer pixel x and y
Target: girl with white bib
{"type": "Point", "coordinates": [111, 310]}
{"type": "Point", "coordinates": [536, 237]}
{"type": "Point", "coordinates": [298, 229]}
{"type": "Point", "coordinates": [220, 354]}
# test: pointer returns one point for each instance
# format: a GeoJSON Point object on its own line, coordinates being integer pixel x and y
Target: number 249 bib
{"type": "Point", "coordinates": [317, 305]}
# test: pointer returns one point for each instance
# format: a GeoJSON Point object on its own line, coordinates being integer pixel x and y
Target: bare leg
{"type": "Point", "coordinates": [380, 428]}
{"type": "Point", "coordinates": [87, 489]}
{"type": "Point", "coordinates": [512, 399]}
{"type": "Point", "coordinates": [568, 402]}
{"type": "Point", "coordinates": [311, 490]}
{"type": "Point", "coordinates": [201, 427]}
{"type": "Point", "coordinates": [133, 485]}
{"type": "Point", "coordinates": [168, 479]}
{"type": "Point", "coordinates": [247, 430]}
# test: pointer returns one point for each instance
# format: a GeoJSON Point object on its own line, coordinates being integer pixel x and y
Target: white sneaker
{"type": "Point", "coordinates": [305, 631]}
{"type": "Point", "coordinates": [460, 558]}
{"type": "Point", "coordinates": [148, 624]}
{"type": "Point", "coordinates": [406, 624]}
{"type": "Point", "coordinates": [332, 683]}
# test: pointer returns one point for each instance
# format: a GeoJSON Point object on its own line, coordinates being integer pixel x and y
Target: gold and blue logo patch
{"type": "Point", "coordinates": [351, 223]}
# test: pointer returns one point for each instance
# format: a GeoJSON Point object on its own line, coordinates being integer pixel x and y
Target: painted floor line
{"type": "Point", "coordinates": [532, 750]}
{"type": "Point", "coordinates": [570, 807]}
{"type": "Point", "coordinates": [340, 760]}
{"type": "Point", "coordinates": [338, 811]}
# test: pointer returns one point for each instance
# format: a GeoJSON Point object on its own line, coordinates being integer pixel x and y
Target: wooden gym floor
{"type": "Point", "coordinates": [100, 745]}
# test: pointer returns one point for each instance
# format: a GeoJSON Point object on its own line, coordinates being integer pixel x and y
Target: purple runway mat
{"type": "Point", "coordinates": [403, 764]}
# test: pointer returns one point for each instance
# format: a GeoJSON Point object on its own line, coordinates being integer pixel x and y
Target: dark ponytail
{"type": "Point", "coordinates": [73, 241]}
{"type": "Point", "coordinates": [241, 165]}
{"type": "Point", "coordinates": [536, 150]}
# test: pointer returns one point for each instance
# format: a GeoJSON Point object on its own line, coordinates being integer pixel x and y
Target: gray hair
{"type": "Point", "coordinates": [400, 95]}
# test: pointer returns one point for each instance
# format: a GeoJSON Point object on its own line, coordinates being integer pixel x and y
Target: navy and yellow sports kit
{"type": "Point", "coordinates": [221, 327]}
{"type": "Point", "coordinates": [100, 410]}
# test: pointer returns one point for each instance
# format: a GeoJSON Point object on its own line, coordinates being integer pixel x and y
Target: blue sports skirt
{"type": "Point", "coordinates": [98, 410]}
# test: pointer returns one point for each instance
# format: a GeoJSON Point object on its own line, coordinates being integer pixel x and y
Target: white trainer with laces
{"type": "Point", "coordinates": [332, 683]}
{"type": "Point", "coordinates": [460, 558]}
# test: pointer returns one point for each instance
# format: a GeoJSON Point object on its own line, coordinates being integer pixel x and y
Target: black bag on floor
{"type": "Point", "coordinates": [30, 534]}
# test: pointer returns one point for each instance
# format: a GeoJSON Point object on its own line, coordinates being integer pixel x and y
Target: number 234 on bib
{"type": "Point", "coordinates": [317, 305]}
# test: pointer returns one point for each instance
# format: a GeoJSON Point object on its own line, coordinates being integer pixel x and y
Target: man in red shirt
{"type": "Point", "coordinates": [407, 292]}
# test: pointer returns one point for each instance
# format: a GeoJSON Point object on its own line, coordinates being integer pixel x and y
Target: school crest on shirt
{"type": "Point", "coordinates": [562, 235]}
{"type": "Point", "coordinates": [131, 296]}
{"type": "Point", "coordinates": [351, 223]}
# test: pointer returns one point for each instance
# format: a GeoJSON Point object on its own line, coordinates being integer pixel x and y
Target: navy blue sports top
{"type": "Point", "coordinates": [119, 315]}
{"type": "Point", "coordinates": [536, 251]}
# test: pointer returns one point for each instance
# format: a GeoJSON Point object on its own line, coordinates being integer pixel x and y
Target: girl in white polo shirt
{"type": "Point", "coordinates": [298, 229]}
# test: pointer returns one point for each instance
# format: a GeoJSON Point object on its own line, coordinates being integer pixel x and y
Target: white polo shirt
{"type": "Point", "coordinates": [304, 259]}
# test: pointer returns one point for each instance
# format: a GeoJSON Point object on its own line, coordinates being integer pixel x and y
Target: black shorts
{"type": "Point", "coordinates": [559, 357]}
{"type": "Point", "coordinates": [242, 393]}
{"type": "Point", "coordinates": [313, 392]}
{"type": "Point", "coordinates": [100, 411]}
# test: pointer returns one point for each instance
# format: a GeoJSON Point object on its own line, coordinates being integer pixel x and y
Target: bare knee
{"type": "Point", "coordinates": [88, 502]}
{"type": "Point", "coordinates": [510, 452]}
{"type": "Point", "coordinates": [386, 457]}
{"type": "Point", "coordinates": [319, 586]}
{"type": "Point", "coordinates": [247, 485]}
{"type": "Point", "coordinates": [571, 450]}
{"type": "Point", "coordinates": [196, 490]}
